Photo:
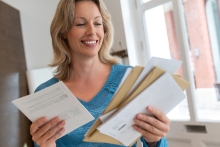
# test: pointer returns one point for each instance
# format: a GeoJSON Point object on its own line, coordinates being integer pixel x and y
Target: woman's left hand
{"type": "Point", "coordinates": [152, 128]}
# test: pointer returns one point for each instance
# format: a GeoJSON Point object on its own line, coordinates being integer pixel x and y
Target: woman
{"type": "Point", "coordinates": [82, 35]}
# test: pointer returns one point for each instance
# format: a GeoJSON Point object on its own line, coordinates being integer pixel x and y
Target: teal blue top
{"type": "Point", "coordinates": [95, 106]}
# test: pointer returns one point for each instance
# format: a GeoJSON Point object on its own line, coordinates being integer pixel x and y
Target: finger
{"type": "Point", "coordinates": [148, 136]}
{"type": "Point", "coordinates": [154, 122]}
{"type": "Point", "coordinates": [158, 114]}
{"type": "Point", "coordinates": [45, 128]}
{"type": "Point", "coordinates": [56, 136]}
{"type": "Point", "coordinates": [37, 124]}
{"type": "Point", "coordinates": [52, 132]}
{"type": "Point", "coordinates": [149, 128]}
{"type": "Point", "coordinates": [50, 142]}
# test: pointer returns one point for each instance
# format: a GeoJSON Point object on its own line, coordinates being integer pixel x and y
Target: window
{"type": "Point", "coordinates": [194, 38]}
{"type": "Point", "coordinates": [162, 40]}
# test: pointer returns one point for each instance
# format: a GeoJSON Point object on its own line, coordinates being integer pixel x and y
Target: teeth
{"type": "Point", "coordinates": [90, 42]}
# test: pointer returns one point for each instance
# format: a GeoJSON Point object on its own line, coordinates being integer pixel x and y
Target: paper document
{"type": "Point", "coordinates": [169, 65]}
{"type": "Point", "coordinates": [126, 74]}
{"type": "Point", "coordinates": [56, 100]}
{"type": "Point", "coordinates": [105, 117]}
{"type": "Point", "coordinates": [163, 94]}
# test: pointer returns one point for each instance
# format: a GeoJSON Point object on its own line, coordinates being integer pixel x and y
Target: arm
{"type": "Point", "coordinates": [153, 129]}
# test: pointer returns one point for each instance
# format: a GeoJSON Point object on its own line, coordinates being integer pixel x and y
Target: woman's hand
{"type": "Point", "coordinates": [45, 134]}
{"type": "Point", "coordinates": [152, 128]}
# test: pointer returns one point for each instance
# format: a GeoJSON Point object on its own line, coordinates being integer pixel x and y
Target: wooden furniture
{"type": "Point", "coordinates": [14, 126]}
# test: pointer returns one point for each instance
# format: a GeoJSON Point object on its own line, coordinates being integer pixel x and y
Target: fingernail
{"type": "Point", "coordinates": [135, 127]}
{"type": "Point", "coordinates": [63, 122]}
{"type": "Point", "coordinates": [150, 108]}
{"type": "Point", "coordinates": [57, 119]}
{"type": "Point", "coordinates": [63, 130]}
{"type": "Point", "coordinates": [140, 116]}
{"type": "Point", "coordinates": [44, 119]}
{"type": "Point", "coordinates": [135, 120]}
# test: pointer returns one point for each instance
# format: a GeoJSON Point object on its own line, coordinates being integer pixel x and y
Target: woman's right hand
{"type": "Point", "coordinates": [46, 133]}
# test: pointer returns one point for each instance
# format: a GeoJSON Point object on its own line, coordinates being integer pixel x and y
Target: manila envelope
{"type": "Point", "coordinates": [94, 135]}
{"type": "Point", "coordinates": [116, 101]}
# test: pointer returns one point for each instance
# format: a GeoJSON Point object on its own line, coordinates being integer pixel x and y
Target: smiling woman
{"type": "Point", "coordinates": [86, 35]}
{"type": "Point", "coordinates": [64, 23]}
{"type": "Point", "coordinates": [82, 34]}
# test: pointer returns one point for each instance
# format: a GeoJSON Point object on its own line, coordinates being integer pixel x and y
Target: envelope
{"type": "Point", "coordinates": [116, 101]}
{"type": "Point", "coordinates": [121, 99]}
{"type": "Point", "coordinates": [150, 78]}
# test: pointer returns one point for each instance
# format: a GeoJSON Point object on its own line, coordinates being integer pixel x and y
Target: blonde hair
{"type": "Point", "coordinates": [62, 22]}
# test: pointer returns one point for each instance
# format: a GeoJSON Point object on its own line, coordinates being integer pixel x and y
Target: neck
{"type": "Point", "coordinates": [85, 70]}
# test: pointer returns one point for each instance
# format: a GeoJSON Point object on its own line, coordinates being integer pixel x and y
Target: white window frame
{"type": "Point", "coordinates": [182, 37]}
{"type": "Point", "coordinates": [178, 132]}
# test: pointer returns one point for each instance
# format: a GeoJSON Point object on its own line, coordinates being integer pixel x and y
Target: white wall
{"type": "Point", "coordinates": [132, 32]}
{"type": "Point", "coordinates": [114, 8]}
{"type": "Point", "coordinates": [36, 16]}
{"type": "Point", "coordinates": [126, 29]}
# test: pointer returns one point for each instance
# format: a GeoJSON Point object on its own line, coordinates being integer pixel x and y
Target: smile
{"type": "Point", "coordinates": [90, 42]}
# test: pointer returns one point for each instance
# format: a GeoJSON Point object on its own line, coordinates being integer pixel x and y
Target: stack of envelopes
{"type": "Point", "coordinates": [153, 85]}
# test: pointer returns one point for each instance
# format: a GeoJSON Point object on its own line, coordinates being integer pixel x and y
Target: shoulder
{"type": "Point", "coordinates": [118, 71]}
{"type": "Point", "coordinates": [120, 67]}
{"type": "Point", "coordinates": [46, 84]}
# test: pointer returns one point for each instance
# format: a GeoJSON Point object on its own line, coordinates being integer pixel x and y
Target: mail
{"type": "Point", "coordinates": [56, 100]}
{"type": "Point", "coordinates": [153, 85]}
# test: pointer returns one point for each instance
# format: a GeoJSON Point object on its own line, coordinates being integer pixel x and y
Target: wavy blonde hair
{"type": "Point", "coordinates": [62, 23]}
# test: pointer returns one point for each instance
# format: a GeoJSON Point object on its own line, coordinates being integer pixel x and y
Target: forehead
{"type": "Point", "coordinates": [86, 9]}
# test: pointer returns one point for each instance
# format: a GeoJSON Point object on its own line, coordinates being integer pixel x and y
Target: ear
{"type": "Point", "coordinates": [64, 36]}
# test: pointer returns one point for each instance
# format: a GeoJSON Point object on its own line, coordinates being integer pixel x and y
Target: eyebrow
{"type": "Point", "coordinates": [85, 18]}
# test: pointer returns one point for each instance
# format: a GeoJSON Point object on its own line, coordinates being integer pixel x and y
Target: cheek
{"type": "Point", "coordinates": [75, 34]}
{"type": "Point", "coordinates": [73, 40]}
{"type": "Point", "coordinates": [101, 32]}
{"type": "Point", "coordinates": [102, 35]}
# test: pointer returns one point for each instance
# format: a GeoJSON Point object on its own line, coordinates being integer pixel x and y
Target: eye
{"type": "Point", "coordinates": [80, 24]}
{"type": "Point", "coordinates": [98, 24]}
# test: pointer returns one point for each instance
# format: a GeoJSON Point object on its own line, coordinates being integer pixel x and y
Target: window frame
{"type": "Point", "coordinates": [183, 45]}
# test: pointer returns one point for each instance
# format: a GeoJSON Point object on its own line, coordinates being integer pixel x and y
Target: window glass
{"type": "Point", "coordinates": [203, 26]}
{"type": "Point", "coordinates": [163, 43]}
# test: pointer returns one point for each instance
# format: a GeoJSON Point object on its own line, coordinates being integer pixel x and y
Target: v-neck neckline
{"type": "Point", "coordinates": [101, 90]}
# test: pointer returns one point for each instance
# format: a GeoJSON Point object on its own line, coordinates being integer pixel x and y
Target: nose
{"type": "Point", "coordinates": [91, 30]}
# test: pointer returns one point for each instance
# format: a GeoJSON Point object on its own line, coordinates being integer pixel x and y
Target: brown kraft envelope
{"type": "Point", "coordinates": [94, 135]}
{"type": "Point", "coordinates": [116, 101]}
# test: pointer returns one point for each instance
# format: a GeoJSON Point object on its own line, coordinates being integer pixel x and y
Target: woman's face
{"type": "Point", "coordinates": [86, 35]}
